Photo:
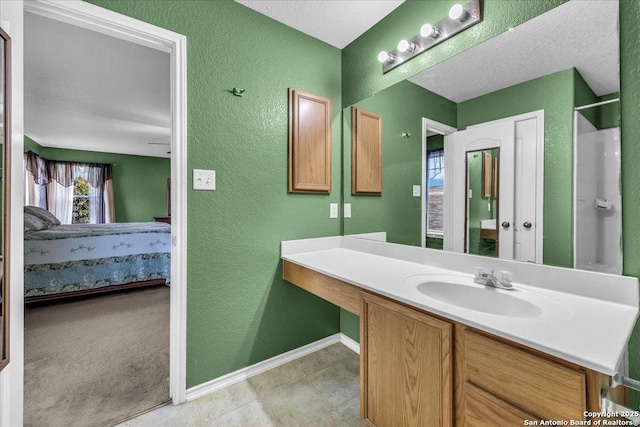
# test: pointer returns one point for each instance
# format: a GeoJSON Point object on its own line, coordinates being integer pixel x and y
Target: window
{"type": "Point", "coordinates": [435, 192]}
{"type": "Point", "coordinates": [80, 212]}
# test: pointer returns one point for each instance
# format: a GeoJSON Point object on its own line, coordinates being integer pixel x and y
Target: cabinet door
{"type": "Point", "coordinates": [405, 366]}
{"type": "Point", "coordinates": [309, 143]}
{"type": "Point", "coordinates": [366, 152]}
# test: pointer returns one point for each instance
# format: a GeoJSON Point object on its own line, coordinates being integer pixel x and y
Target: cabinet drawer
{"type": "Point", "coordinates": [544, 388]}
{"type": "Point", "coordinates": [482, 409]}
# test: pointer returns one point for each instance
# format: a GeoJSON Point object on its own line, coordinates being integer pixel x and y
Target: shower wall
{"type": "Point", "coordinates": [598, 201]}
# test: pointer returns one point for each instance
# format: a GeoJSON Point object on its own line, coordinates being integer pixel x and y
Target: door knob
{"type": "Point", "coordinates": [505, 224]}
{"type": "Point", "coordinates": [527, 225]}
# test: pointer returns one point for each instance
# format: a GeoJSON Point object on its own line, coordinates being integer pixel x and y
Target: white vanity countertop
{"type": "Point", "coordinates": [593, 331]}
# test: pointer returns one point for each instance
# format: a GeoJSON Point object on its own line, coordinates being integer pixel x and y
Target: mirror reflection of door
{"type": "Point", "coordinates": [516, 182]}
{"type": "Point", "coordinates": [482, 206]}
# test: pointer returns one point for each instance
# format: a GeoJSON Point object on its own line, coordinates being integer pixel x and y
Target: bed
{"type": "Point", "coordinates": [79, 259]}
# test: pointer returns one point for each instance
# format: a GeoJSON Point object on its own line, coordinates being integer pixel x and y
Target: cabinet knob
{"type": "Point", "coordinates": [505, 224]}
{"type": "Point", "coordinates": [527, 225]}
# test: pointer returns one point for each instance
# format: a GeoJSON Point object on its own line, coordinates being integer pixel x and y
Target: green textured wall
{"type": "Point", "coordinates": [139, 182]}
{"type": "Point", "coordinates": [362, 73]}
{"type": "Point", "coordinates": [239, 310]}
{"type": "Point", "coordinates": [555, 94]}
{"type": "Point", "coordinates": [435, 141]}
{"type": "Point", "coordinates": [630, 132]}
{"type": "Point", "coordinates": [396, 211]}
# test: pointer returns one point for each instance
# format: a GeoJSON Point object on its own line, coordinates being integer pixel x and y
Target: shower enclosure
{"type": "Point", "coordinates": [598, 201]}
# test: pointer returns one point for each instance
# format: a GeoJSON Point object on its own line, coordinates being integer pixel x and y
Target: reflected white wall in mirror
{"type": "Point", "coordinates": [598, 202]}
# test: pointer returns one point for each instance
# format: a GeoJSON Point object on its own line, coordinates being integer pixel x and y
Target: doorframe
{"type": "Point", "coordinates": [539, 116]}
{"type": "Point", "coordinates": [94, 18]}
{"type": "Point", "coordinates": [442, 129]}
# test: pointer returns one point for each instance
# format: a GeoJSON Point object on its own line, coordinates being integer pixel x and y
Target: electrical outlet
{"type": "Point", "coordinates": [417, 190]}
{"type": "Point", "coordinates": [204, 179]}
{"type": "Point", "coordinates": [347, 210]}
{"type": "Point", "coordinates": [333, 210]}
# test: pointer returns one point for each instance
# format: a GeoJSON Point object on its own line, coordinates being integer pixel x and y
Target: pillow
{"type": "Point", "coordinates": [43, 214]}
{"type": "Point", "coordinates": [33, 223]}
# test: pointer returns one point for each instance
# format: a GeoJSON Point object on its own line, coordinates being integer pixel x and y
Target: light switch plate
{"type": "Point", "coordinates": [204, 179]}
{"type": "Point", "coordinates": [347, 210]}
{"type": "Point", "coordinates": [417, 191]}
{"type": "Point", "coordinates": [333, 210]}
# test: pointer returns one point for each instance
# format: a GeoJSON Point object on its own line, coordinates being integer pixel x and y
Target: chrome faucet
{"type": "Point", "coordinates": [501, 280]}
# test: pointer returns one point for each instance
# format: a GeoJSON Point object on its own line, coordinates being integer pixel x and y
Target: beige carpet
{"type": "Point", "coordinates": [96, 361]}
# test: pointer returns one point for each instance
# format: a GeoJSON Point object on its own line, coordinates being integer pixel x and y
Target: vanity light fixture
{"type": "Point", "coordinates": [428, 30]}
{"type": "Point", "coordinates": [460, 18]}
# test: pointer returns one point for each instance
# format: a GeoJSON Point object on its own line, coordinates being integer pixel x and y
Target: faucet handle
{"type": "Point", "coordinates": [505, 276]}
{"type": "Point", "coordinates": [479, 272]}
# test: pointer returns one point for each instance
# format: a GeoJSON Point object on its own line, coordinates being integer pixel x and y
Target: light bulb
{"type": "Point", "coordinates": [386, 57]}
{"type": "Point", "coordinates": [458, 13]}
{"type": "Point", "coordinates": [428, 30]}
{"type": "Point", "coordinates": [407, 46]}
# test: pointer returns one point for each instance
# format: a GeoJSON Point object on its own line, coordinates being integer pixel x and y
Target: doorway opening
{"type": "Point", "coordinates": [97, 20]}
{"type": "Point", "coordinates": [434, 197]}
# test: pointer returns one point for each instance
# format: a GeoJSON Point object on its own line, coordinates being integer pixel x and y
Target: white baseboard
{"type": "Point", "coordinates": [219, 383]}
{"type": "Point", "coordinates": [349, 343]}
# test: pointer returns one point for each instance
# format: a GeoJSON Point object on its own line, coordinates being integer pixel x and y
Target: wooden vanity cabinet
{"type": "Point", "coordinates": [418, 369]}
{"type": "Point", "coordinates": [406, 366]}
{"type": "Point", "coordinates": [500, 383]}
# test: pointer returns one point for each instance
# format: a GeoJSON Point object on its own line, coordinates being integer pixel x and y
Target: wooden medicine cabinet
{"type": "Point", "coordinates": [309, 143]}
{"type": "Point", "coordinates": [366, 152]}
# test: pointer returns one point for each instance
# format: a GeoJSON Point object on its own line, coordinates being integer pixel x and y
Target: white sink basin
{"type": "Point", "coordinates": [462, 292]}
{"type": "Point", "coordinates": [487, 300]}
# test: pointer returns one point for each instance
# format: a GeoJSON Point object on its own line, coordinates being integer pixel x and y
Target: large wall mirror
{"type": "Point", "coordinates": [5, 134]}
{"type": "Point", "coordinates": [509, 163]}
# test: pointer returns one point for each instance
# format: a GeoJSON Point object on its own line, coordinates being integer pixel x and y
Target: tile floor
{"type": "Point", "coordinates": [320, 389]}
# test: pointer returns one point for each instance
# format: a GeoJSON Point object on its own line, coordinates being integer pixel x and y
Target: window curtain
{"type": "Point", "coordinates": [36, 178]}
{"type": "Point", "coordinates": [60, 191]}
{"type": "Point", "coordinates": [50, 185]}
{"type": "Point", "coordinates": [101, 207]}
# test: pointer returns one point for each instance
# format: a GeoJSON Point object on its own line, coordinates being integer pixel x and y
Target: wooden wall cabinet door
{"type": "Point", "coordinates": [366, 152]}
{"type": "Point", "coordinates": [405, 366]}
{"type": "Point", "coordinates": [309, 143]}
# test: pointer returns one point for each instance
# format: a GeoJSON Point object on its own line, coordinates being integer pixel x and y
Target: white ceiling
{"type": "Point", "coordinates": [579, 33]}
{"type": "Point", "coordinates": [85, 90]}
{"type": "Point", "coordinates": [336, 22]}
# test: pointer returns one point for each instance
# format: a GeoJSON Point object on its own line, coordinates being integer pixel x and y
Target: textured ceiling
{"type": "Point", "coordinates": [336, 22]}
{"type": "Point", "coordinates": [581, 34]}
{"type": "Point", "coordinates": [85, 90]}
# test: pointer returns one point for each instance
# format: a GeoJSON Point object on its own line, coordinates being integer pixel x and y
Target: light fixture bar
{"type": "Point", "coordinates": [445, 28]}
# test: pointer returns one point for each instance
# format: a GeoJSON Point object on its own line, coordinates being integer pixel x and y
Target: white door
{"type": "Point", "coordinates": [520, 184]}
{"type": "Point", "coordinates": [498, 135]}
{"type": "Point", "coordinates": [524, 223]}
